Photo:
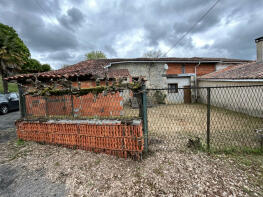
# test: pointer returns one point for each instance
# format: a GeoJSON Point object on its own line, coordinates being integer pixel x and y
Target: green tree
{"type": "Point", "coordinates": [13, 53]}
{"type": "Point", "coordinates": [93, 55]}
{"type": "Point", "coordinates": [45, 67]}
{"type": "Point", "coordinates": [34, 66]}
{"type": "Point", "coordinates": [31, 66]}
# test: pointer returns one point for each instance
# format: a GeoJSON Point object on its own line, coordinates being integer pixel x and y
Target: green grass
{"type": "Point", "coordinates": [12, 87]}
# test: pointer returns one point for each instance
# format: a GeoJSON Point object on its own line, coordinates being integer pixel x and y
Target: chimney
{"type": "Point", "coordinates": [259, 42]}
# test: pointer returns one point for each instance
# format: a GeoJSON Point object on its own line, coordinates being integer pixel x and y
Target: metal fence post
{"type": "Point", "coordinates": [208, 118]}
{"type": "Point", "coordinates": [22, 101]}
{"type": "Point", "coordinates": [144, 117]}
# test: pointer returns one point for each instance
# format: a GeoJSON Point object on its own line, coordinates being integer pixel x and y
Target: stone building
{"type": "Point", "coordinates": [172, 73]}
{"type": "Point", "coordinates": [159, 73]}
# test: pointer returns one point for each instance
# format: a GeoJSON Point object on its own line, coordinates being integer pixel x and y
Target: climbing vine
{"type": "Point", "coordinates": [64, 86]}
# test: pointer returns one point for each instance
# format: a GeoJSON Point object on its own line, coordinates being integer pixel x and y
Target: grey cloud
{"type": "Point", "coordinates": [46, 7]}
{"type": "Point", "coordinates": [241, 42]}
{"type": "Point", "coordinates": [39, 36]}
{"type": "Point", "coordinates": [72, 19]}
{"type": "Point", "coordinates": [110, 50]}
{"type": "Point", "coordinates": [61, 55]}
{"type": "Point", "coordinates": [82, 28]}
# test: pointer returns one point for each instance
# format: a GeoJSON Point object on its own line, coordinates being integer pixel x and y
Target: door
{"type": "Point", "coordinates": [187, 94]}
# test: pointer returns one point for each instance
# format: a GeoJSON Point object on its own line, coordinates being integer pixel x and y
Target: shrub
{"type": "Point", "coordinates": [159, 97]}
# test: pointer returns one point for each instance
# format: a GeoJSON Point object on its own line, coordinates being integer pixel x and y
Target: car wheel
{"type": "Point", "coordinates": [3, 109]}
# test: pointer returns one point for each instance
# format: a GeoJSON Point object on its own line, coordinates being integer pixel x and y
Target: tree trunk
{"type": "Point", "coordinates": [5, 86]}
{"type": "Point", "coordinates": [4, 74]}
{"type": "Point", "coordinates": [5, 83]}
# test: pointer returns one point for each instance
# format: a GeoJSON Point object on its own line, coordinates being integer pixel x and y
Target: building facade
{"type": "Point", "coordinates": [172, 73]}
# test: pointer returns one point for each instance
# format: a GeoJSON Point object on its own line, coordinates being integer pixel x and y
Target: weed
{"type": "Point", "coordinates": [20, 142]}
{"type": "Point", "coordinates": [57, 164]}
{"type": "Point", "coordinates": [97, 162]}
{"type": "Point", "coordinates": [158, 171]}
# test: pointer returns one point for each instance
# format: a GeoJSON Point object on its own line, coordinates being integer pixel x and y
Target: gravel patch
{"type": "Point", "coordinates": [46, 169]}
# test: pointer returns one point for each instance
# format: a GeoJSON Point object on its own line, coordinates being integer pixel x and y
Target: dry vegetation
{"type": "Point", "coordinates": [161, 173]}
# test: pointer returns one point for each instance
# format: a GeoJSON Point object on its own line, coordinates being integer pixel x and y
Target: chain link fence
{"type": "Point", "coordinates": [208, 118]}
{"type": "Point", "coordinates": [214, 118]}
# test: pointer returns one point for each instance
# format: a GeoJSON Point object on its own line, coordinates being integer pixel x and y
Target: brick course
{"type": "Point", "coordinates": [113, 138]}
{"type": "Point", "coordinates": [176, 68]}
{"type": "Point", "coordinates": [86, 105]}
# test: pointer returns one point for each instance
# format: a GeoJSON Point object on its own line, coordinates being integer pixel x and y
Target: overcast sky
{"type": "Point", "coordinates": [60, 32]}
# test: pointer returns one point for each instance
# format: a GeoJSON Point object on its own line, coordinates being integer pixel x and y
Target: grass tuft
{"type": "Point", "coordinates": [20, 142]}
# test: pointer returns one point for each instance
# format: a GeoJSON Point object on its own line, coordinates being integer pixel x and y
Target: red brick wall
{"type": "Point", "coordinates": [176, 68]}
{"type": "Point", "coordinates": [86, 105]}
{"type": "Point", "coordinates": [116, 139]}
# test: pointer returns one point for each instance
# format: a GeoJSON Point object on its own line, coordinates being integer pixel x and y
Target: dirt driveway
{"type": "Point", "coordinates": [17, 179]}
{"type": "Point", "coordinates": [32, 169]}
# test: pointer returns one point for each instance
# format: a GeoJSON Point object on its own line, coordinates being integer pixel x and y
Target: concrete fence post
{"type": "Point", "coordinates": [208, 118]}
{"type": "Point", "coordinates": [22, 101]}
{"type": "Point", "coordinates": [144, 117]}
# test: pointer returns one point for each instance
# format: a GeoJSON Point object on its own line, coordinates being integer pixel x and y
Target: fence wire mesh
{"type": "Point", "coordinates": [219, 118]}
{"type": "Point", "coordinates": [228, 118]}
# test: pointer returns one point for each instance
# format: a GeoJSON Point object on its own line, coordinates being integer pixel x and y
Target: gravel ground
{"type": "Point", "coordinates": [8, 120]}
{"type": "Point", "coordinates": [32, 169]}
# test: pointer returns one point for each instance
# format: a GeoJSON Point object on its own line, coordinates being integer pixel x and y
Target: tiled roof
{"type": "Point", "coordinates": [167, 59]}
{"type": "Point", "coordinates": [95, 68]}
{"type": "Point", "coordinates": [243, 71]}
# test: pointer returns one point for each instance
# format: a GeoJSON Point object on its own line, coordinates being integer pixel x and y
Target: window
{"type": "Point", "coordinates": [135, 79]}
{"type": "Point", "coordinates": [173, 88]}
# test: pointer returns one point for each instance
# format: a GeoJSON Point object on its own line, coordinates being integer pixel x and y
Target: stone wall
{"type": "Point", "coordinates": [152, 72]}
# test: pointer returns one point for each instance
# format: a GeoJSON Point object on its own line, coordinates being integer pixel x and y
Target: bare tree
{"type": "Point", "coordinates": [154, 54]}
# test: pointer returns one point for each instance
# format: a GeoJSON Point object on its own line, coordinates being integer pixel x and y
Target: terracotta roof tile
{"type": "Point", "coordinates": [242, 71]}
{"type": "Point", "coordinates": [95, 68]}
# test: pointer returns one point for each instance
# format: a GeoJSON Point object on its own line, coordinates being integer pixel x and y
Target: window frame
{"type": "Point", "coordinates": [173, 89]}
